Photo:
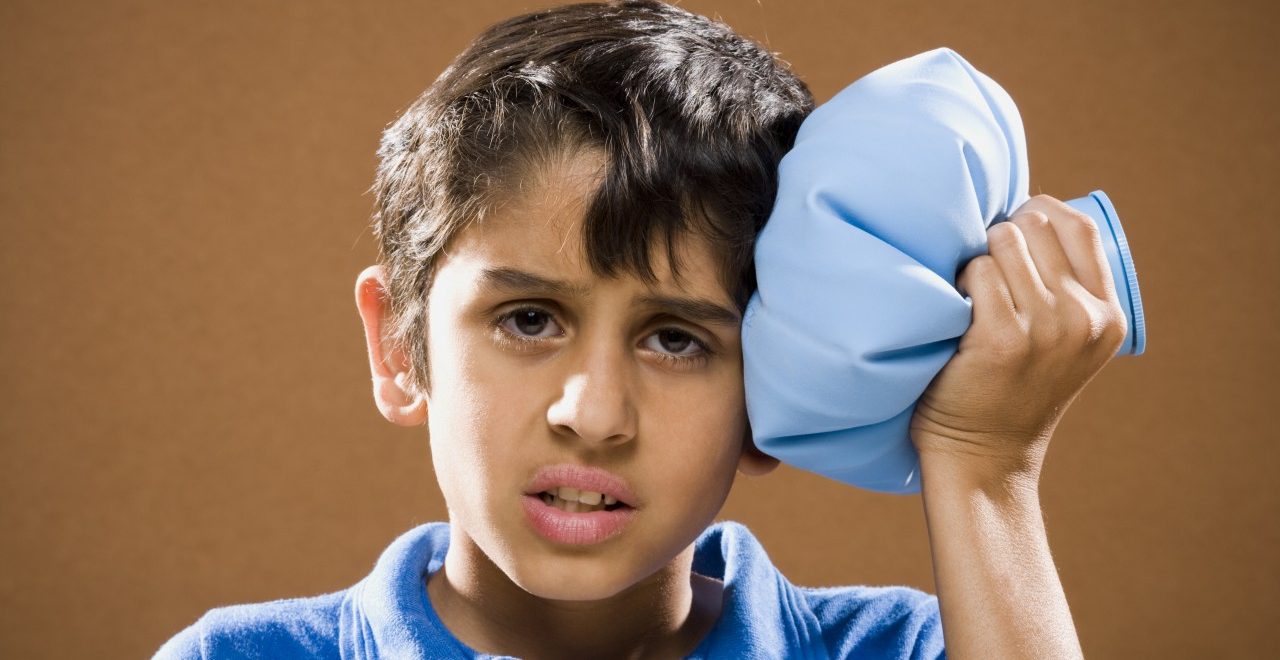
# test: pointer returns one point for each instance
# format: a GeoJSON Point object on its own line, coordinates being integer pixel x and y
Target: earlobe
{"type": "Point", "coordinates": [394, 396]}
{"type": "Point", "coordinates": [397, 403]}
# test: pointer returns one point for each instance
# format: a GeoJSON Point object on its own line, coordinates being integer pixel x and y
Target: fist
{"type": "Point", "coordinates": [1046, 319]}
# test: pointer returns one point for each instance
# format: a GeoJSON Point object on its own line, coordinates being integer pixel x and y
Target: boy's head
{"type": "Point", "coordinates": [628, 151]}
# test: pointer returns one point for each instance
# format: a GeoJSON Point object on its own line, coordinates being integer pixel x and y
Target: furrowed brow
{"type": "Point", "coordinates": [694, 309]}
{"type": "Point", "coordinates": [513, 280]}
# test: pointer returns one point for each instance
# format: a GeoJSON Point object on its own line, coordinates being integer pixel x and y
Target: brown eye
{"type": "Point", "coordinates": [678, 349]}
{"type": "Point", "coordinates": [674, 340]}
{"type": "Point", "coordinates": [527, 323]}
{"type": "Point", "coordinates": [530, 321]}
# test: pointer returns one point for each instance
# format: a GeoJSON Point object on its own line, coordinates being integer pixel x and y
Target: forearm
{"type": "Point", "coordinates": [997, 586]}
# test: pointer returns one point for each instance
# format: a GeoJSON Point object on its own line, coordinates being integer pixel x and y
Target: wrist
{"type": "Point", "coordinates": [1009, 478]}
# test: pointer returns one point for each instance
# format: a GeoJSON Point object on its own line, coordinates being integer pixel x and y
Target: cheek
{"type": "Point", "coordinates": [474, 388]}
{"type": "Point", "coordinates": [702, 428]}
{"type": "Point", "coordinates": [474, 417]}
{"type": "Point", "coordinates": [712, 408]}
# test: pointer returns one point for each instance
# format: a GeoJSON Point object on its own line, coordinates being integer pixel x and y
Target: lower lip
{"type": "Point", "coordinates": [575, 528]}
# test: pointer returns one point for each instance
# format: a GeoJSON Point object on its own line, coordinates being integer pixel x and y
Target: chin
{"type": "Point", "coordinates": [572, 578]}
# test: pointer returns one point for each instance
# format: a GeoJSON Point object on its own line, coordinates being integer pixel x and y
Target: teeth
{"type": "Point", "coordinates": [584, 496]}
{"type": "Point", "coordinates": [573, 500]}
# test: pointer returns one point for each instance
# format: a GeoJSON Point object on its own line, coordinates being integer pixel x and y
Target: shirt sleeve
{"type": "Point", "coordinates": [878, 622]}
{"type": "Point", "coordinates": [276, 630]}
{"type": "Point", "coordinates": [182, 646]}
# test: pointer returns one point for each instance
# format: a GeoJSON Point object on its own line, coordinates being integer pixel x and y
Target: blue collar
{"type": "Point", "coordinates": [388, 613]}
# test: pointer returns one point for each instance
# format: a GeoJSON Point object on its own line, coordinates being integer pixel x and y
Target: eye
{"type": "Point", "coordinates": [676, 341]}
{"type": "Point", "coordinates": [527, 323]}
{"type": "Point", "coordinates": [527, 327]}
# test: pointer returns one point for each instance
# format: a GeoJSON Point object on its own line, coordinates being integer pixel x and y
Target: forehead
{"type": "Point", "coordinates": [539, 229]}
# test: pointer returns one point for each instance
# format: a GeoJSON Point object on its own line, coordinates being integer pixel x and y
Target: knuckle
{"type": "Point", "coordinates": [1030, 220]}
{"type": "Point", "coordinates": [981, 265]}
{"type": "Point", "coordinates": [979, 269]}
{"type": "Point", "coordinates": [1005, 233]}
{"type": "Point", "coordinates": [1117, 326]}
{"type": "Point", "coordinates": [1092, 329]}
{"type": "Point", "coordinates": [1102, 324]}
{"type": "Point", "coordinates": [1035, 218]}
{"type": "Point", "coordinates": [1047, 204]}
{"type": "Point", "coordinates": [1080, 222]}
{"type": "Point", "coordinates": [1041, 202]}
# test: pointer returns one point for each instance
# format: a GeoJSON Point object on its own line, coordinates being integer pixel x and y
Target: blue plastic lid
{"type": "Point", "coordinates": [1123, 273]}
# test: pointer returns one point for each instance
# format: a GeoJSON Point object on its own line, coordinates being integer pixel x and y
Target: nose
{"type": "Point", "coordinates": [595, 403]}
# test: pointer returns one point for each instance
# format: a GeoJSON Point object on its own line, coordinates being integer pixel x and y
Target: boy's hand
{"type": "Point", "coordinates": [1046, 319]}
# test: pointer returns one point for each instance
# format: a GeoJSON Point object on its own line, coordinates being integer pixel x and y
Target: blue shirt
{"type": "Point", "coordinates": [388, 614]}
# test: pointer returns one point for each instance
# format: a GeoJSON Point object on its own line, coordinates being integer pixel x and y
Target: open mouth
{"type": "Point", "coordinates": [568, 516]}
{"type": "Point", "coordinates": [573, 500]}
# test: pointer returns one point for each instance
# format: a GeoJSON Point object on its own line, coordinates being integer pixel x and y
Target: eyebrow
{"type": "Point", "coordinates": [513, 280]}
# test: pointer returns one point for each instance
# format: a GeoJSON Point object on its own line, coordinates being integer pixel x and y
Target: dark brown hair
{"type": "Point", "coordinates": [692, 119]}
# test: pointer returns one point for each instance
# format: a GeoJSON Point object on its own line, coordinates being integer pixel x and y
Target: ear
{"type": "Point", "coordinates": [753, 462]}
{"type": "Point", "coordinates": [388, 364]}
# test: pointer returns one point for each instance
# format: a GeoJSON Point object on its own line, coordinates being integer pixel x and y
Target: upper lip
{"type": "Point", "coordinates": [581, 477]}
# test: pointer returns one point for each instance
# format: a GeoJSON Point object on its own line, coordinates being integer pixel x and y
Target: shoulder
{"type": "Point", "coordinates": [294, 627]}
{"type": "Point", "coordinates": [848, 621]}
{"type": "Point", "coordinates": [888, 622]}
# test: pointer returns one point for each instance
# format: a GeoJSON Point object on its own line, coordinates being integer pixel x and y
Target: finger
{"type": "Point", "coordinates": [983, 281]}
{"type": "Point", "coordinates": [1047, 254]}
{"type": "Point", "coordinates": [1006, 244]}
{"type": "Point", "coordinates": [1081, 238]}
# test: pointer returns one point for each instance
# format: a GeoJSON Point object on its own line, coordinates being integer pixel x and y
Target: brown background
{"type": "Point", "coordinates": [186, 417]}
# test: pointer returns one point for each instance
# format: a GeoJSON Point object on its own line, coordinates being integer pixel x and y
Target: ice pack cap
{"type": "Point", "coordinates": [887, 193]}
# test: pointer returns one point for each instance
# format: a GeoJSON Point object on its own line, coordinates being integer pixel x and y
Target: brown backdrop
{"type": "Point", "coordinates": [186, 417]}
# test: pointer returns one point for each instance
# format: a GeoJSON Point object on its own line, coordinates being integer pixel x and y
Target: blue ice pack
{"type": "Point", "coordinates": [886, 195]}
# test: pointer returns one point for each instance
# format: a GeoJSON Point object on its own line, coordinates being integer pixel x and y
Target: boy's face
{"type": "Point", "coordinates": [594, 378]}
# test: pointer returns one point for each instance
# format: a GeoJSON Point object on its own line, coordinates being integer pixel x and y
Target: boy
{"type": "Point", "coordinates": [566, 220]}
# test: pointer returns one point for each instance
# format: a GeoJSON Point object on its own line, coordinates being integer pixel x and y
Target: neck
{"type": "Point", "coordinates": [664, 615]}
